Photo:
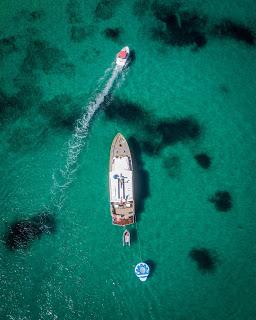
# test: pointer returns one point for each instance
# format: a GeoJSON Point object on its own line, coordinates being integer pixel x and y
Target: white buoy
{"type": "Point", "coordinates": [142, 271]}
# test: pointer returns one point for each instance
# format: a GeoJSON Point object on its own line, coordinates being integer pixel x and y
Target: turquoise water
{"type": "Point", "coordinates": [184, 94]}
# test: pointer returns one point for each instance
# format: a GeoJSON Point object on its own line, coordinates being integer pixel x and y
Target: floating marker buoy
{"type": "Point", "coordinates": [142, 271]}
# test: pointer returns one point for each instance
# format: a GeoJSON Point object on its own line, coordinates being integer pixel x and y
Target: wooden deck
{"type": "Point", "coordinates": [123, 211]}
{"type": "Point", "coordinates": [119, 148]}
{"type": "Point", "coordinates": [122, 222]}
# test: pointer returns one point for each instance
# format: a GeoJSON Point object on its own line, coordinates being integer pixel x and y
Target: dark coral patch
{"type": "Point", "coordinates": [22, 136]}
{"type": "Point", "coordinates": [41, 55]}
{"type": "Point", "coordinates": [126, 111]}
{"type": "Point", "coordinates": [158, 133]}
{"type": "Point", "coordinates": [105, 9]}
{"type": "Point", "coordinates": [140, 7]}
{"type": "Point", "coordinates": [61, 111]}
{"type": "Point", "coordinates": [224, 89]}
{"type": "Point", "coordinates": [180, 28]}
{"type": "Point", "coordinates": [229, 29]}
{"type": "Point", "coordinates": [29, 95]}
{"type": "Point", "coordinates": [7, 46]}
{"type": "Point", "coordinates": [90, 55]}
{"type": "Point", "coordinates": [162, 133]}
{"type": "Point", "coordinates": [23, 100]}
{"type": "Point", "coordinates": [73, 12]}
{"type": "Point", "coordinates": [151, 147]}
{"type": "Point", "coordinates": [173, 166]}
{"type": "Point", "coordinates": [36, 15]}
{"type": "Point", "coordinates": [26, 137]}
{"type": "Point", "coordinates": [78, 33]}
{"type": "Point", "coordinates": [178, 130]}
{"type": "Point", "coordinates": [7, 104]}
{"type": "Point", "coordinates": [112, 33]}
{"type": "Point", "coordinates": [22, 233]}
{"type": "Point", "coordinates": [68, 69]}
{"type": "Point", "coordinates": [205, 260]}
{"type": "Point", "coordinates": [222, 201]}
{"type": "Point", "coordinates": [203, 160]}
{"type": "Point", "coordinates": [30, 16]}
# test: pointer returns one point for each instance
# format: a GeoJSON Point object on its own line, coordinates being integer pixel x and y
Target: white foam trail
{"type": "Point", "coordinates": [64, 176]}
{"type": "Point", "coordinates": [106, 73]}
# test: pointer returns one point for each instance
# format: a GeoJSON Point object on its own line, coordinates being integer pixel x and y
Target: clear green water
{"type": "Point", "coordinates": [81, 271]}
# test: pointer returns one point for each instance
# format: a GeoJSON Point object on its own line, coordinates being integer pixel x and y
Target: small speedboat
{"type": "Point", "coordinates": [142, 271]}
{"type": "Point", "coordinates": [126, 238]}
{"type": "Point", "coordinates": [122, 57]}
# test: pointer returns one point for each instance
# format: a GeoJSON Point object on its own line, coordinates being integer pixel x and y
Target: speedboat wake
{"type": "Point", "coordinates": [63, 177]}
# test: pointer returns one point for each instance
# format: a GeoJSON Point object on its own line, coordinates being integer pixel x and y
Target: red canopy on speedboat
{"type": "Point", "coordinates": [122, 54]}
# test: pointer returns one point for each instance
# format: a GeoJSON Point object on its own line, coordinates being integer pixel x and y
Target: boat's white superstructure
{"type": "Point", "coordinates": [122, 204]}
{"type": "Point", "coordinates": [122, 57]}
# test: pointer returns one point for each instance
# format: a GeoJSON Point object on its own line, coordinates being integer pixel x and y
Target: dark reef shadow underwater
{"type": "Point", "coordinates": [157, 133]}
{"type": "Point", "coordinates": [205, 259]}
{"type": "Point", "coordinates": [141, 177]}
{"type": "Point", "coordinates": [21, 234]}
{"type": "Point", "coordinates": [180, 27]}
{"type": "Point", "coordinates": [222, 201]}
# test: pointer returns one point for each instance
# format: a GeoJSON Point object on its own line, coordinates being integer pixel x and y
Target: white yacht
{"type": "Point", "coordinates": [122, 204]}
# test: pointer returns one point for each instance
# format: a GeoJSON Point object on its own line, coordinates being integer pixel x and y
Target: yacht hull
{"type": "Point", "coordinates": [122, 204]}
